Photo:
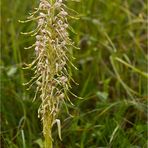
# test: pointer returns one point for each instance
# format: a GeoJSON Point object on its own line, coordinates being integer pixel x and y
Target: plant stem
{"type": "Point", "coordinates": [47, 125]}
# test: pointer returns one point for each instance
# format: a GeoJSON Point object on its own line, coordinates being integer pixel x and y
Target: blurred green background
{"type": "Point", "coordinates": [112, 65]}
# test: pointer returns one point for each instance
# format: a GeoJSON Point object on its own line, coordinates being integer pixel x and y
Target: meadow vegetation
{"type": "Point", "coordinates": [112, 75]}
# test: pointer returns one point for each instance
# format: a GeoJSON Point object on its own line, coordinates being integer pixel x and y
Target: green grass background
{"type": "Point", "coordinates": [112, 65]}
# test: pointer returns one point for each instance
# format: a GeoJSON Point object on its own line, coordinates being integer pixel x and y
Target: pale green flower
{"type": "Point", "coordinates": [50, 65]}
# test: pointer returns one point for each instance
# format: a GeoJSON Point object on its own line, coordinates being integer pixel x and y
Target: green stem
{"type": "Point", "coordinates": [47, 126]}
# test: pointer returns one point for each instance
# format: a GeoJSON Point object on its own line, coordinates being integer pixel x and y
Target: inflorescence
{"type": "Point", "coordinates": [52, 56]}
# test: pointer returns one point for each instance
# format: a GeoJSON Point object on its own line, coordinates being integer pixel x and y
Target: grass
{"type": "Point", "coordinates": [112, 76]}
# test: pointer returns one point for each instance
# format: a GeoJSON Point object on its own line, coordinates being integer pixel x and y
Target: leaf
{"type": "Point", "coordinates": [39, 142]}
{"type": "Point", "coordinates": [12, 71]}
{"type": "Point", "coordinates": [59, 127]}
{"type": "Point", "coordinates": [102, 95]}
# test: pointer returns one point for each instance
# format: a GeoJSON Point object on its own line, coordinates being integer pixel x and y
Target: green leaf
{"type": "Point", "coordinates": [102, 95]}
{"type": "Point", "coordinates": [12, 71]}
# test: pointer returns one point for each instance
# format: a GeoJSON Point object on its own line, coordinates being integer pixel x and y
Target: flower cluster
{"type": "Point", "coordinates": [51, 48]}
{"type": "Point", "coordinates": [52, 55]}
